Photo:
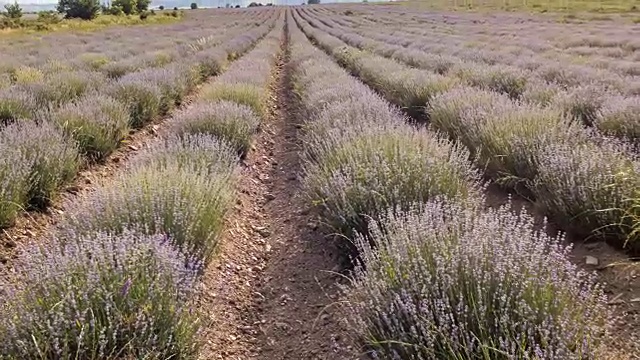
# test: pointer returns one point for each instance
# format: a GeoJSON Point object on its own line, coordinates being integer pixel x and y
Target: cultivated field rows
{"type": "Point", "coordinates": [617, 49]}
{"type": "Point", "coordinates": [568, 170]}
{"type": "Point", "coordinates": [127, 48]}
{"type": "Point", "coordinates": [601, 97]}
{"type": "Point", "coordinates": [56, 121]}
{"type": "Point", "coordinates": [117, 275]}
{"type": "Point", "coordinates": [440, 257]}
{"type": "Point", "coordinates": [399, 149]}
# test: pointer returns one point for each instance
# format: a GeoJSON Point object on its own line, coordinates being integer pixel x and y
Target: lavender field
{"type": "Point", "coordinates": [322, 182]}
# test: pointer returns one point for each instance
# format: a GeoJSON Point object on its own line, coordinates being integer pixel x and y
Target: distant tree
{"type": "Point", "coordinates": [312, 2]}
{"type": "Point", "coordinates": [194, 6]}
{"type": "Point", "coordinates": [269, 4]}
{"type": "Point", "coordinates": [175, 8]}
{"type": "Point", "coordinates": [81, 9]}
{"type": "Point", "coordinates": [237, 6]}
{"type": "Point", "coordinates": [253, 4]}
{"type": "Point", "coordinates": [161, 7]}
{"type": "Point", "coordinates": [128, 6]}
{"type": "Point", "coordinates": [142, 6]}
{"type": "Point", "coordinates": [228, 5]}
{"type": "Point", "coordinates": [13, 11]}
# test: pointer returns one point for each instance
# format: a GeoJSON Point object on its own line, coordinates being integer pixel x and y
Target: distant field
{"type": "Point", "coordinates": [603, 6]}
{"type": "Point", "coordinates": [421, 180]}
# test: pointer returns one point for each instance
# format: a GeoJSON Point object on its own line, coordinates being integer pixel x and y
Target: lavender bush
{"type": "Point", "coordinates": [54, 160]}
{"type": "Point", "coordinates": [15, 168]}
{"type": "Point", "coordinates": [581, 103]}
{"type": "Point", "coordinates": [377, 171]}
{"type": "Point", "coordinates": [101, 297]}
{"type": "Point", "coordinates": [15, 104]}
{"type": "Point", "coordinates": [341, 121]}
{"type": "Point", "coordinates": [65, 87]}
{"type": "Point", "coordinates": [452, 283]}
{"type": "Point", "coordinates": [447, 112]}
{"type": "Point", "coordinates": [229, 121]}
{"type": "Point", "coordinates": [589, 187]}
{"type": "Point", "coordinates": [172, 83]}
{"type": "Point", "coordinates": [96, 122]}
{"type": "Point", "coordinates": [142, 98]}
{"type": "Point", "coordinates": [239, 93]}
{"type": "Point", "coordinates": [504, 80]}
{"type": "Point", "coordinates": [190, 152]}
{"type": "Point", "coordinates": [620, 116]}
{"type": "Point", "coordinates": [539, 92]}
{"type": "Point", "coordinates": [187, 206]}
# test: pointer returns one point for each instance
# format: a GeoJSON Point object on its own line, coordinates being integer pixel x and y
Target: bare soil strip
{"type": "Point", "coordinates": [269, 293]}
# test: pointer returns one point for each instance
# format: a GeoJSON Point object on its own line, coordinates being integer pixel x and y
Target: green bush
{"type": "Point", "coordinates": [194, 6]}
{"type": "Point", "coordinates": [142, 6]}
{"type": "Point", "coordinates": [26, 75]}
{"type": "Point", "coordinates": [48, 17]}
{"type": "Point", "coordinates": [590, 189]}
{"type": "Point", "coordinates": [128, 7]}
{"type": "Point", "coordinates": [13, 11]}
{"type": "Point", "coordinates": [82, 9]}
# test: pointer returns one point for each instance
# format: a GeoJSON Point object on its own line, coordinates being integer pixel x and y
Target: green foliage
{"type": "Point", "coordinates": [48, 17]}
{"type": "Point", "coordinates": [142, 6]}
{"type": "Point", "coordinates": [113, 10]}
{"type": "Point", "coordinates": [311, 2]}
{"type": "Point", "coordinates": [128, 7]}
{"type": "Point", "coordinates": [81, 9]}
{"type": "Point", "coordinates": [161, 7]}
{"type": "Point", "coordinates": [194, 6]}
{"type": "Point", "coordinates": [13, 11]}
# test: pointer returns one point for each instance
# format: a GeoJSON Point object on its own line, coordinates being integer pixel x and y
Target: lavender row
{"type": "Point", "coordinates": [125, 261]}
{"type": "Point", "coordinates": [595, 99]}
{"type": "Point", "coordinates": [518, 145]}
{"type": "Point", "coordinates": [93, 125]}
{"type": "Point", "coordinates": [505, 37]}
{"type": "Point", "coordinates": [232, 106]}
{"type": "Point", "coordinates": [35, 89]}
{"type": "Point", "coordinates": [122, 47]}
{"type": "Point", "coordinates": [430, 285]}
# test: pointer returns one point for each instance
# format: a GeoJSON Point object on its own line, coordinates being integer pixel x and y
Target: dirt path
{"type": "Point", "coordinates": [268, 293]}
